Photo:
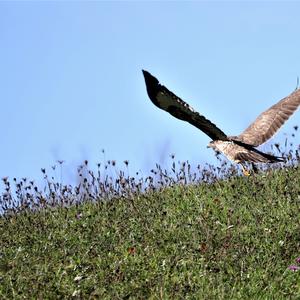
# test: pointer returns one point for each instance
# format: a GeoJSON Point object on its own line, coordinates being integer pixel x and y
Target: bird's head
{"type": "Point", "coordinates": [212, 145]}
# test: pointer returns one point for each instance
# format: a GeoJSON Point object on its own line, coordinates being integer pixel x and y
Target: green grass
{"type": "Point", "coordinates": [232, 239]}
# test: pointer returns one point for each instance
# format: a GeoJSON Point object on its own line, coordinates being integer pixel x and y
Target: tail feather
{"type": "Point", "coordinates": [255, 155]}
{"type": "Point", "coordinates": [271, 158]}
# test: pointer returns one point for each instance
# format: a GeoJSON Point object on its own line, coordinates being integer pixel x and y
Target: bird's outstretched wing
{"type": "Point", "coordinates": [166, 100]}
{"type": "Point", "coordinates": [269, 122]}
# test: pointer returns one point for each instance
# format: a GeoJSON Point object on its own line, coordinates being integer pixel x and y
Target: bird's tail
{"type": "Point", "coordinates": [257, 156]}
{"type": "Point", "coordinates": [271, 158]}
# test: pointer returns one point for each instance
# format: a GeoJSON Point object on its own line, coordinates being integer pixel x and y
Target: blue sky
{"type": "Point", "coordinates": [71, 82]}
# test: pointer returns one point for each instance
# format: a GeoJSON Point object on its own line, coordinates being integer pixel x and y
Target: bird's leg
{"type": "Point", "coordinates": [245, 171]}
{"type": "Point", "coordinates": [254, 168]}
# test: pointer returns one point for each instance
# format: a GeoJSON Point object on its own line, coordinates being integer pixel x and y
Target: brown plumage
{"type": "Point", "coordinates": [239, 148]}
{"type": "Point", "coordinates": [270, 121]}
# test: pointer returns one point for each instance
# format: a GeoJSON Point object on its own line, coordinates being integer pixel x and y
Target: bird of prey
{"type": "Point", "coordinates": [240, 149]}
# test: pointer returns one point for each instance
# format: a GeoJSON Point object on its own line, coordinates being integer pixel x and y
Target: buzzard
{"type": "Point", "coordinates": [240, 149]}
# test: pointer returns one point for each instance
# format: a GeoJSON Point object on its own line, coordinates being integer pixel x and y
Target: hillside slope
{"type": "Point", "coordinates": [233, 239]}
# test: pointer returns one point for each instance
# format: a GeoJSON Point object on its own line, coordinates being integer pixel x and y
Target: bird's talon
{"type": "Point", "coordinates": [246, 172]}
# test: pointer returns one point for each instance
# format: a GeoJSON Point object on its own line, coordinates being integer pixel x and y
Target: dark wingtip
{"type": "Point", "coordinates": [150, 79]}
{"type": "Point", "coordinates": [145, 73]}
{"type": "Point", "coordinates": [152, 85]}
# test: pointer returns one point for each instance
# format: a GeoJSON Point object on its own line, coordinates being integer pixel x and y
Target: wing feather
{"type": "Point", "coordinates": [256, 156]}
{"type": "Point", "coordinates": [270, 121]}
{"type": "Point", "coordinates": [168, 101]}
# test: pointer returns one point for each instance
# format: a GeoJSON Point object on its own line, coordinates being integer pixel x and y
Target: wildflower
{"type": "Point", "coordinates": [78, 278]}
{"type": "Point", "coordinates": [131, 250]}
{"type": "Point", "coordinates": [297, 260]}
{"type": "Point", "coordinates": [5, 179]}
{"type": "Point", "coordinates": [293, 268]}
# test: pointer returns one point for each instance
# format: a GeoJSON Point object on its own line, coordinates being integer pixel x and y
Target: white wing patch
{"type": "Point", "coordinates": [165, 101]}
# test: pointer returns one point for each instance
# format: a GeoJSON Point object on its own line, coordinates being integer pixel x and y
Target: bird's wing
{"type": "Point", "coordinates": [166, 100]}
{"type": "Point", "coordinates": [269, 122]}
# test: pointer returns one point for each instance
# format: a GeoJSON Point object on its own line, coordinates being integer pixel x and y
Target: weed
{"type": "Point", "coordinates": [190, 232]}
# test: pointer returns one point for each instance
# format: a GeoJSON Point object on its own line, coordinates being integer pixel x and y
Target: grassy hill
{"type": "Point", "coordinates": [230, 239]}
